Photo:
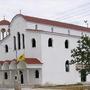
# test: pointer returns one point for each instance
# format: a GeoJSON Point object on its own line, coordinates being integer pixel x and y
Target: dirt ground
{"type": "Point", "coordinates": [65, 87]}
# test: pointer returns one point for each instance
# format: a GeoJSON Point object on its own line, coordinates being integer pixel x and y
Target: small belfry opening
{"type": "Point", "coordinates": [3, 30]}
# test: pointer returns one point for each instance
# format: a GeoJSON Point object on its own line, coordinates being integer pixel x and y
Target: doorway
{"type": "Point", "coordinates": [21, 77]}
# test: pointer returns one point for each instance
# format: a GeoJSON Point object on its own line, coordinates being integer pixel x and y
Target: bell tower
{"type": "Point", "coordinates": [4, 28]}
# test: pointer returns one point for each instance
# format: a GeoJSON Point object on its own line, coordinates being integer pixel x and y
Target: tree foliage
{"type": "Point", "coordinates": [81, 54]}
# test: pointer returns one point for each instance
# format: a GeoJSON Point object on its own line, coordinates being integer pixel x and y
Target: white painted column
{"type": "Point", "coordinates": [0, 35]}
{"type": "Point", "coordinates": [10, 77]}
{"type": "Point", "coordinates": [28, 80]}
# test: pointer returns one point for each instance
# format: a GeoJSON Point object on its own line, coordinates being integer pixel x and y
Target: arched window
{"type": "Point", "coordinates": [19, 42]}
{"type": "Point", "coordinates": [3, 30]}
{"type": "Point", "coordinates": [5, 75]}
{"type": "Point", "coordinates": [36, 74]}
{"type": "Point", "coordinates": [66, 43]}
{"type": "Point", "coordinates": [14, 42]}
{"type": "Point", "coordinates": [23, 41]}
{"type": "Point", "coordinates": [21, 77]}
{"type": "Point", "coordinates": [6, 48]}
{"type": "Point", "coordinates": [67, 66]}
{"type": "Point", "coordinates": [50, 42]}
{"type": "Point", "coordinates": [33, 42]}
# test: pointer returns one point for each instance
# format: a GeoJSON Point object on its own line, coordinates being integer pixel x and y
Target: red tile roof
{"type": "Point", "coordinates": [27, 60]}
{"type": "Point", "coordinates": [4, 22]}
{"type": "Point", "coordinates": [32, 61]}
{"type": "Point", "coordinates": [55, 23]}
{"type": "Point", "coordinates": [1, 62]}
{"type": "Point", "coordinates": [8, 61]}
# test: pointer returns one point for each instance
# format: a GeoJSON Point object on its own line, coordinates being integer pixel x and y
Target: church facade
{"type": "Point", "coordinates": [46, 45]}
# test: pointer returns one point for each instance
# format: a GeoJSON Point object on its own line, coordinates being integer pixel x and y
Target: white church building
{"type": "Point", "coordinates": [47, 47]}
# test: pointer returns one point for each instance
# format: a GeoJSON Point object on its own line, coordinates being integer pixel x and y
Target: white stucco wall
{"type": "Point", "coordinates": [17, 25]}
{"type": "Point", "coordinates": [54, 60]}
{"type": "Point", "coordinates": [32, 79]}
{"type": "Point", "coordinates": [33, 52]}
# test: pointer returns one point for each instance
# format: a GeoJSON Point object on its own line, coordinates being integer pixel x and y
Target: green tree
{"type": "Point", "coordinates": [81, 56]}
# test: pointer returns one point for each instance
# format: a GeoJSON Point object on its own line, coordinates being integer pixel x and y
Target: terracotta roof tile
{"type": "Point", "coordinates": [4, 22]}
{"type": "Point", "coordinates": [33, 61]}
{"type": "Point", "coordinates": [27, 60]}
{"type": "Point", "coordinates": [1, 62]}
{"type": "Point", "coordinates": [55, 23]}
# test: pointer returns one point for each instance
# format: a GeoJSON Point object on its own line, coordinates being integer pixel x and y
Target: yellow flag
{"type": "Point", "coordinates": [21, 57]}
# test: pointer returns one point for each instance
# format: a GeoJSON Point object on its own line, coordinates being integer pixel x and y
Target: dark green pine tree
{"type": "Point", "coordinates": [81, 55]}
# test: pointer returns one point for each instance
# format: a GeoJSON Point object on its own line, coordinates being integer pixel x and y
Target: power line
{"type": "Point", "coordinates": [77, 13]}
{"type": "Point", "coordinates": [73, 16]}
{"type": "Point", "coordinates": [85, 6]}
{"type": "Point", "coordinates": [82, 10]}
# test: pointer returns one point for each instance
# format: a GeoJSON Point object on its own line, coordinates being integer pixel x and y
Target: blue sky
{"type": "Point", "coordinates": [71, 11]}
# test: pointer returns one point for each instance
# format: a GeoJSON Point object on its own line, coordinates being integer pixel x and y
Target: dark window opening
{"type": "Point", "coordinates": [50, 42]}
{"type": "Point", "coordinates": [22, 81]}
{"type": "Point", "coordinates": [67, 66]}
{"type": "Point", "coordinates": [15, 77]}
{"type": "Point", "coordinates": [23, 41]}
{"type": "Point", "coordinates": [6, 48]}
{"type": "Point", "coordinates": [14, 42]}
{"type": "Point", "coordinates": [33, 42]}
{"type": "Point", "coordinates": [36, 74]}
{"type": "Point", "coordinates": [5, 75]}
{"type": "Point", "coordinates": [19, 42]}
{"type": "Point", "coordinates": [66, 44]}
{"type": "Point", "coordinates": [21, 77]}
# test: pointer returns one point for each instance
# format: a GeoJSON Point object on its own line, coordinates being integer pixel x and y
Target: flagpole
{"type": "Point", "coordinates": [16, 53]}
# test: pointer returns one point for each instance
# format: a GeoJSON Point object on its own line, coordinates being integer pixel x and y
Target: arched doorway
{"type": "Point", "coordinates": [21, 77]}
